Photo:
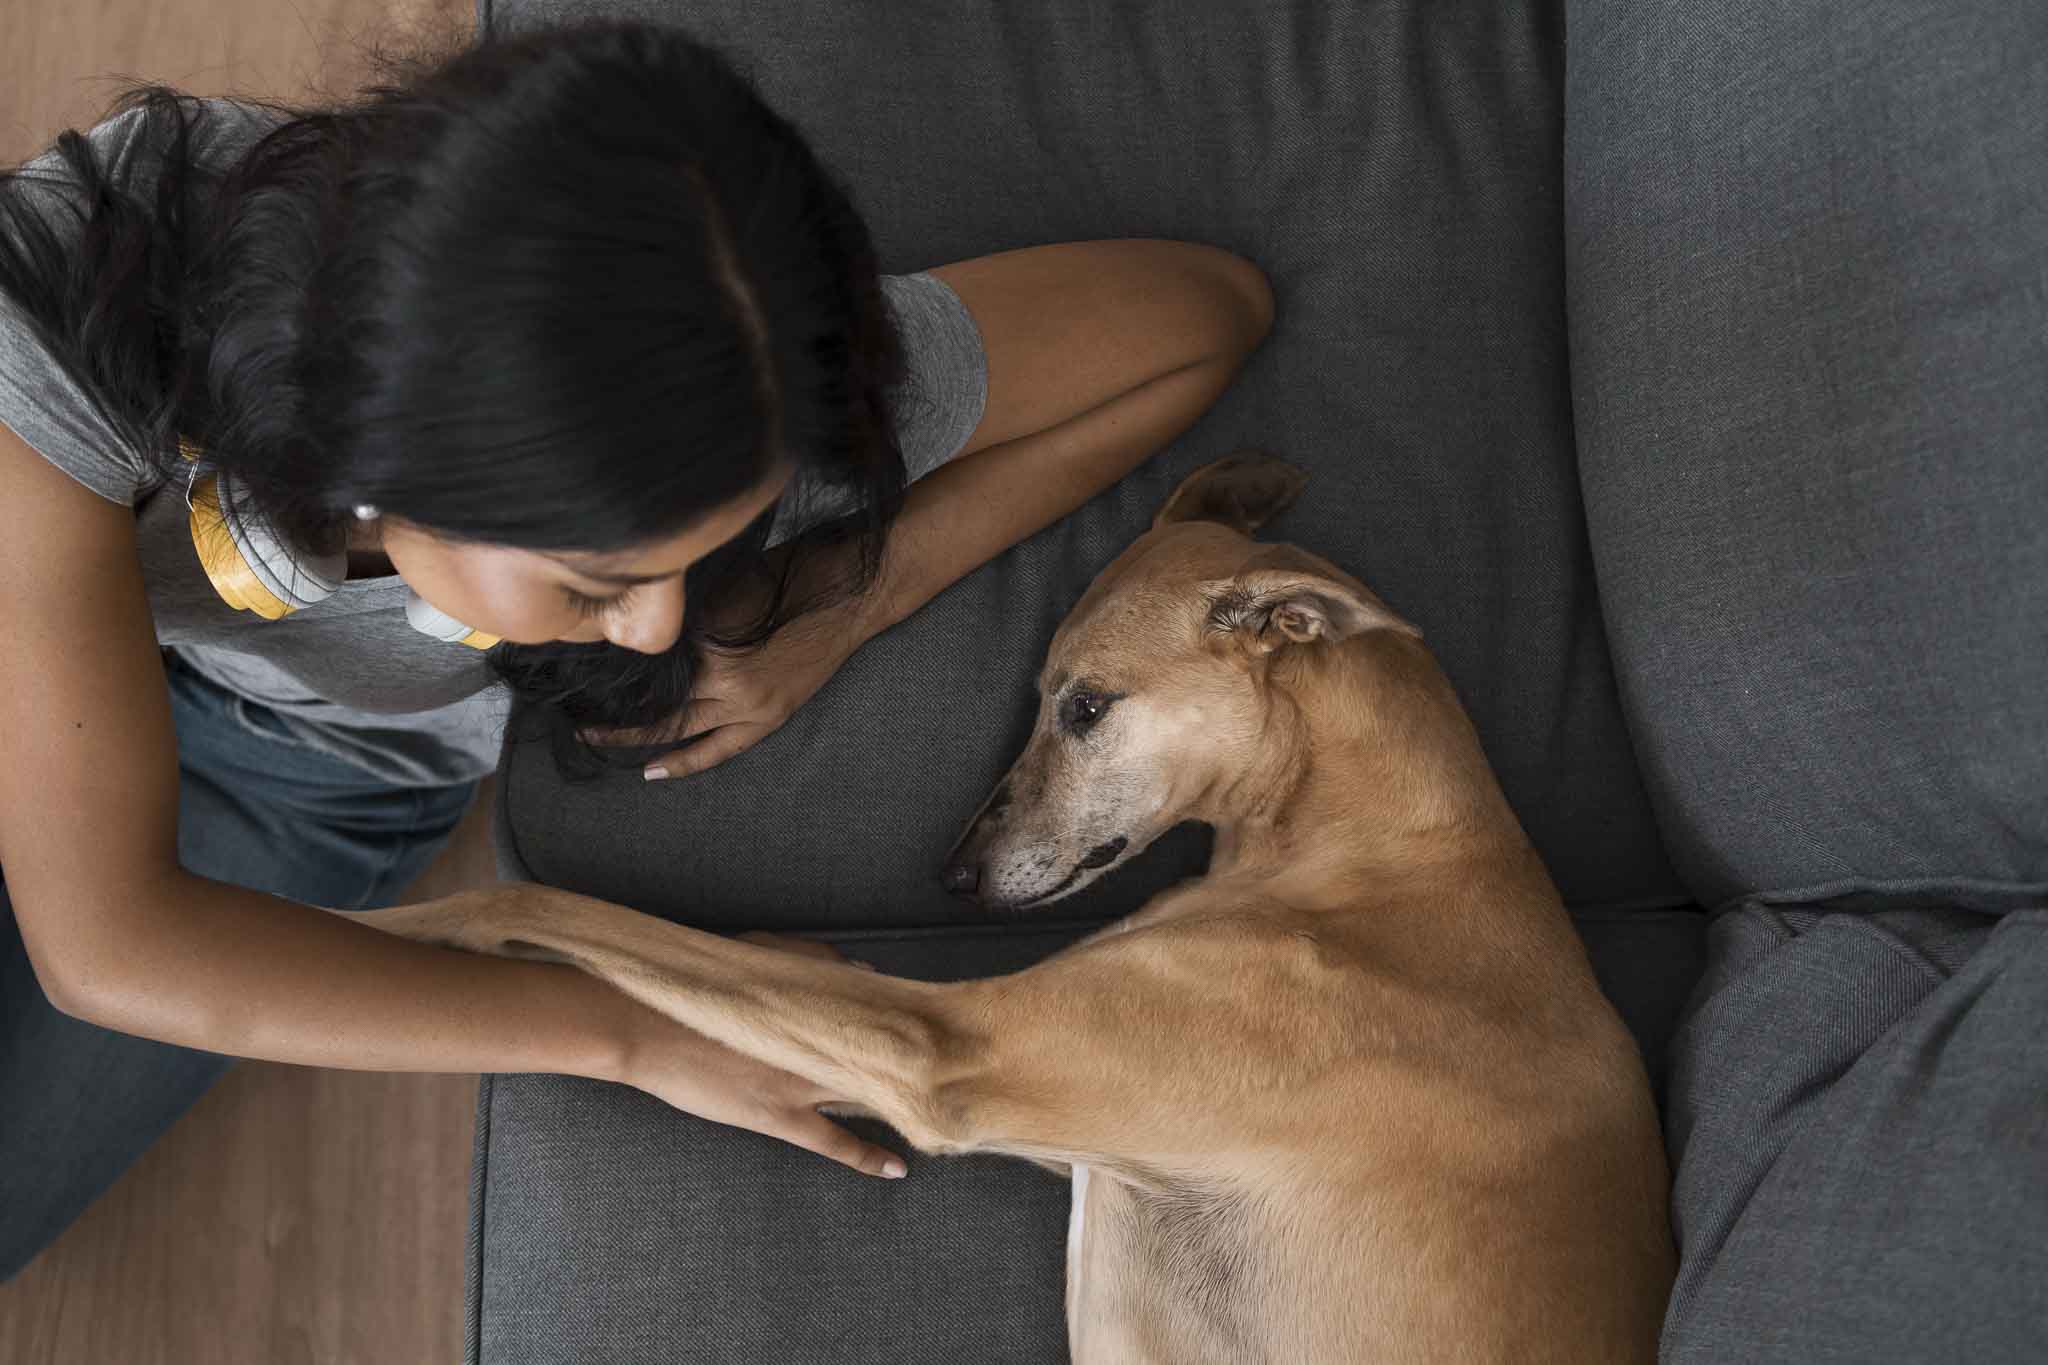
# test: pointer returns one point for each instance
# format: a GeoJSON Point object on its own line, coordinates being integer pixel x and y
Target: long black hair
{"type": "Point", "coordinates": [567, 290]}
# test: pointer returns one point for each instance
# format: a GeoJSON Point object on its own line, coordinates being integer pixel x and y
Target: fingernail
{"type": "Point", "coordinates": [654, 772]}
{"type": "Point", "coordinates": [894, 1169]}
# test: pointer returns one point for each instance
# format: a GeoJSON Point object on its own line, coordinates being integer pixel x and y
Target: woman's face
{"type": "Point", "coordinates": [633, 598]}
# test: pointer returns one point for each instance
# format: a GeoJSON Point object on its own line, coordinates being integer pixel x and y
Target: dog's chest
{"type": "Point", "coordinates": [1154, 1275]}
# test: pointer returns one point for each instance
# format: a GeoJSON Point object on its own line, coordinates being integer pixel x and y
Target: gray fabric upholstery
{"type": "Point", "coordinates": [1808, 254]}
{"type": "Point", "coordinates": [1859, 1107]}
{"type": "Point", "coordinates": [1395, 169]}
{"type": "Point", "coordinates": [1807, 249]}
{"type": "Point", "coordinates": [607, 1227]}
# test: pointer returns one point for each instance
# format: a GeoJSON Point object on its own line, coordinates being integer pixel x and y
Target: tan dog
{"type": "Point", "coordinates": [1352, 1096]}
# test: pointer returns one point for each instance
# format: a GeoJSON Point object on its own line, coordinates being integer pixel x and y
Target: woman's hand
{"type": "Point", "coordinates": [741, 698]}
{"type": "Point", "coordinates": [700, 1076]}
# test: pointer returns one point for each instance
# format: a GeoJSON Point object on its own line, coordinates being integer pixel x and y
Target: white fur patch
{"type": "Point", "coordinates": [1075, 1221]}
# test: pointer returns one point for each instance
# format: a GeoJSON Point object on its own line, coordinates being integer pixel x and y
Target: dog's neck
{"type": "Point", "coordinates": [1373, 772]}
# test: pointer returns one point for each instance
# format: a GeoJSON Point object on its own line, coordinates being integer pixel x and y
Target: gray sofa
{"type": "Point", "coordinates": [1683, 372]}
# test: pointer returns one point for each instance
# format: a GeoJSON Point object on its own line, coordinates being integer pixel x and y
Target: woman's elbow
{"type": "Point", "coordinates": [1256, 292]}
{"type": "Point", "coordinates": [76, 975]}
{"type": "Point", "coordinates": [1247, 298]}
{"type": "Point", "coordinates": [62, 989]}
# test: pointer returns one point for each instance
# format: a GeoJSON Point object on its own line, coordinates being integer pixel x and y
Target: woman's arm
{"type": "Point", "coordinates": [121, 936]}
{"type": "Point", "coordinates": [1099, 354]}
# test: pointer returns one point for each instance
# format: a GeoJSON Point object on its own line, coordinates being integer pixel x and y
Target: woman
{"type": "Point", "coordinates": [567, 348]}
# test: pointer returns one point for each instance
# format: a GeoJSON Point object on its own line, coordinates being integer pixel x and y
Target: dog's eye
{"type": "Point", "coordinates": [1083, 709]}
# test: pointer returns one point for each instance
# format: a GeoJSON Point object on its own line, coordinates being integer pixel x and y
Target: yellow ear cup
{"type": "Point", "coordinates": [250, 567]}
{"type": "Point", "coordinates": [225, 568]}
{"type": "Point", "coordinates": [252, 572]}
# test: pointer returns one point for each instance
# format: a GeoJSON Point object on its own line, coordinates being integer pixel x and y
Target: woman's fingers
{"type": "Point", "coordinates": [708, 752]}
{"type": "Point", "coordinates": [699, 715]}
{"type": "Point", "coordinates": [814, 1132]}
{"type": "Point", "coordinates": [704, 714]}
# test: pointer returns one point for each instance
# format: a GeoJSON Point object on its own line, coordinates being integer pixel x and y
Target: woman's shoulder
{"type": "Point", "coordinates": [130, 146]}
{"type": "Point", "coordinates": [51, 390]}
{"type": "Point", "coordinates": [220, 131]}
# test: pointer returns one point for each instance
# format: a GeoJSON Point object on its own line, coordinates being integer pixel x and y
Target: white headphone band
{"type": "Point", "coordinates": [301, 582]}
{"type": "Point", "coordinates": [294, 581]}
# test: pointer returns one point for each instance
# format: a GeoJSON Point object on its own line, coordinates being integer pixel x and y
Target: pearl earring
{"type": "Point", "coordinates": [366, 511]}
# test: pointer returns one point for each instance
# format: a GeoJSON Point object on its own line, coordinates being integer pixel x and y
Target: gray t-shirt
{"type": "Point", "coordinates": [349, 676]}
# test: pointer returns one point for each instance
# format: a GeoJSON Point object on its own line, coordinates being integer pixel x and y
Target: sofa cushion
{"type": "Point", "coordinates": [1858, 1118]}
{"type": "Point", "coordinates": [1396, 170]}
{"type": "Point", "coordinates": [606, 1226]}
{"type": "Point", "coordinates": [1808, 255]}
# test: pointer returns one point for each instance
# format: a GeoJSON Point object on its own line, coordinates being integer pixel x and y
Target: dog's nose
{"type": "Point", "coordinates": [962, 879]}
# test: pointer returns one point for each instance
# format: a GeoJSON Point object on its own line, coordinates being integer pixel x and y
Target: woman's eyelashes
{"type": "Point", "coordinates": [588, 607]}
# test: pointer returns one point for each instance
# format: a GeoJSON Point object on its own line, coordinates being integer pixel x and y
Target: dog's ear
{"type": "Point", "coordinates": [1243, 491]}
{"type": "Point", "coordinates": [1268, 608]}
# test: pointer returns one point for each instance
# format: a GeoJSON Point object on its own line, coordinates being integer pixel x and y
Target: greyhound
{"type": "Point", "coordinates": [1353, 1095]}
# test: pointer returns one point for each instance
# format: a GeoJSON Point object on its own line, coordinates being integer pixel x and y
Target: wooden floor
{"type": "Point", "coordinates": [62, 60]}
{"type": "Point", "coordinates": [294, 1215]}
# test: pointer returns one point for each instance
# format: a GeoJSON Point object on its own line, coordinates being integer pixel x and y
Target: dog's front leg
{"type": "Point", "coordinates": [893, 1046]}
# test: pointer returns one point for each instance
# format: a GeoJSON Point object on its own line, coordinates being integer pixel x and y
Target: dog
{"type": "Point", "coordinates": [1353, 1095]}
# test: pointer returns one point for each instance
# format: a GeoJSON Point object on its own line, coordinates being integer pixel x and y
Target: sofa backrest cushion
{"type": "Point", "coordinates": [1808, 264]}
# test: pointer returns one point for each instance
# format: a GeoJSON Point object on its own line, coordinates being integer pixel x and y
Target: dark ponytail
{"type": "Point", "coordinates": [570, 290]}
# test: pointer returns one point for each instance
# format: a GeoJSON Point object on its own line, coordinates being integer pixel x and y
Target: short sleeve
{"type": "Point", "coordinates": [40, 404]}
{"type": "Point", "coordinates": [942, 399]}
{"type": "Point", "coordinates": [938, 405]}
{"type": "Point", "coordinates": [39, 400]}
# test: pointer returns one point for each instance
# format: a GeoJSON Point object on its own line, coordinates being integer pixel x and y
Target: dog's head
{"type": "Point", "coordinates": [1157, 691]}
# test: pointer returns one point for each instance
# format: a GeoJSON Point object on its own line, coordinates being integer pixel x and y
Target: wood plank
{"type": "Point", "coordinates": [63, 60]}
{"type": "Point", "coordinates": [294, 1215]}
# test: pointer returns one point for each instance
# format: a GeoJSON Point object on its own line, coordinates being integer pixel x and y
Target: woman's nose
{"type": "Point", "coordinates": [655, 621]}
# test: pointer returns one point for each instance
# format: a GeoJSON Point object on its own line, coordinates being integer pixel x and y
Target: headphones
{"type": "Point", "coordinates": [254, 571]}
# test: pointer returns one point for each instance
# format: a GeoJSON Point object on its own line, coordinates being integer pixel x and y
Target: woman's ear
{"type": "Point", "coordinates": [1269, 608]}
{"type": "Point", "coordinates": [1242, 491]}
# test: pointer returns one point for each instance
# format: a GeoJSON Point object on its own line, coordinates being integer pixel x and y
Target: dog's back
{"type": "Point", "coordinates": [1445, 1149]}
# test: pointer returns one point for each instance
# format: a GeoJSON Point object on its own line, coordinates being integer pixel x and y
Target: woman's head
{"type": "Point", "coordinates": [632, 598]}
{"type": "Point", "coordinates": [568, 309]}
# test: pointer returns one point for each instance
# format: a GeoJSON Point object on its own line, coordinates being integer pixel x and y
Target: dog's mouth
{"type": "Point", "coordinates": [1100, 856]}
